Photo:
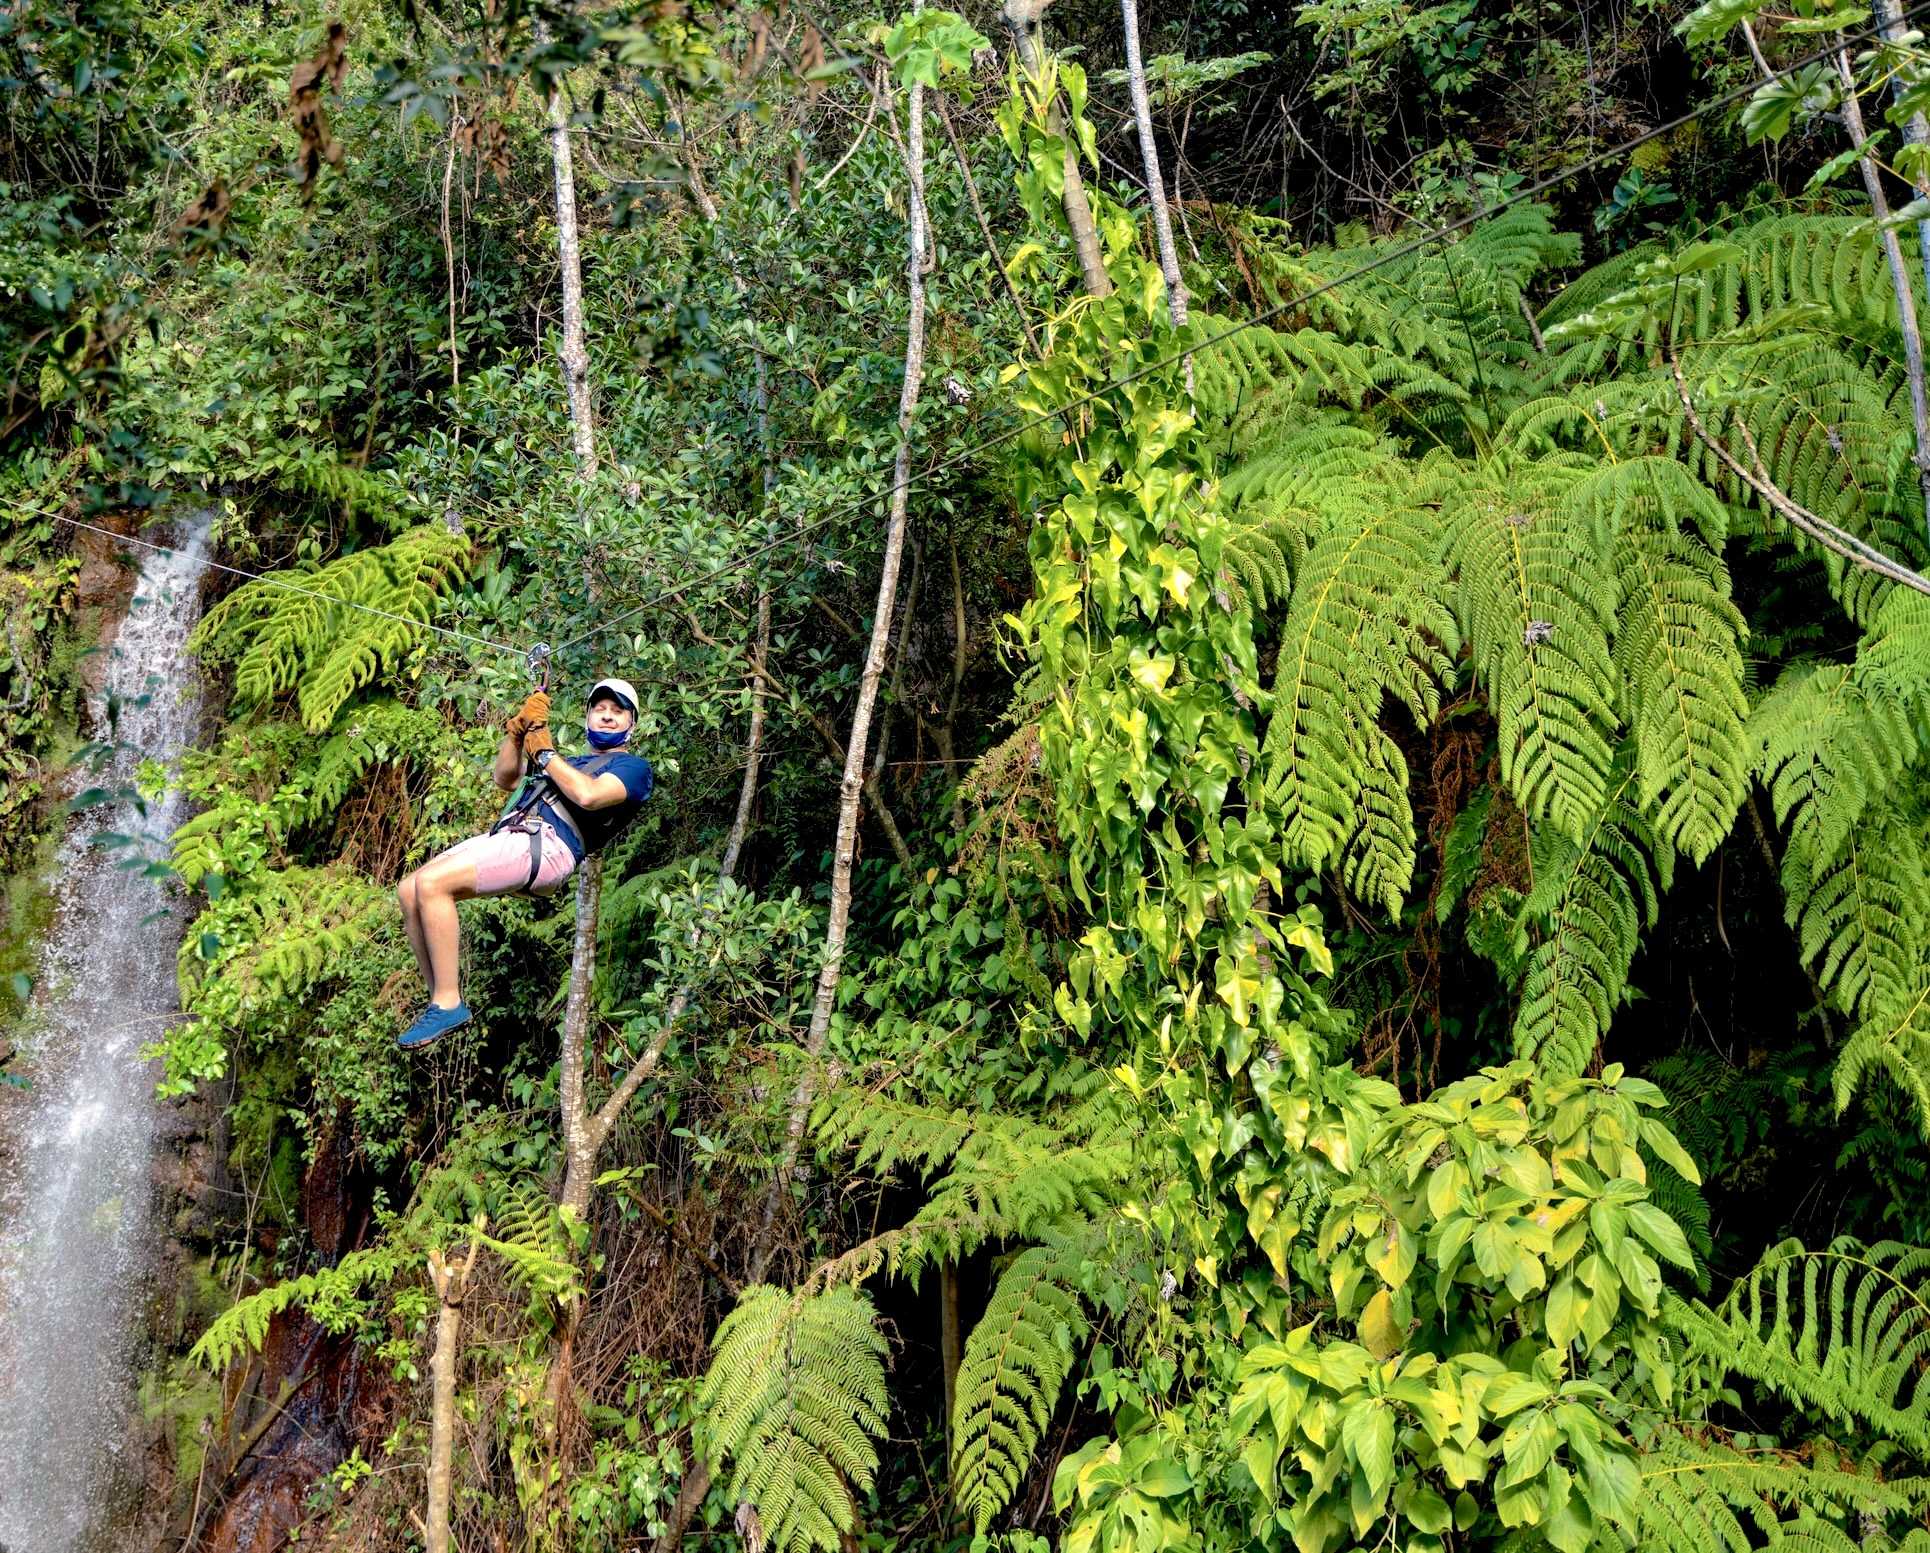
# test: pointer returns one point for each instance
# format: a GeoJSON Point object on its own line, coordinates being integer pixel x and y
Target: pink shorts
{"type": "Point", "coordinates": [502, 861]}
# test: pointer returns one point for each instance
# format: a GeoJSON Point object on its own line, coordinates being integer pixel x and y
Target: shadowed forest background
{"type": "Point", "coordinates": [1288, 898]}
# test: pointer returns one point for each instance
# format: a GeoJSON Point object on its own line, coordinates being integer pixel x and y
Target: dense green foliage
{"type": "Point", "coordinates": [1388, 997]}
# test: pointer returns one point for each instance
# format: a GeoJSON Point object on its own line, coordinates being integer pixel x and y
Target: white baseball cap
{"type": "Point", "coordinates": [622, 689]}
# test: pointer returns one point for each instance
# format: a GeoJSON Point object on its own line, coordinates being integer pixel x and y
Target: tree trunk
{"type": "Point", "coordinates": [576, 356]}
{"type": "Point", "coordinates": [1149, 154]}
{"type": "Point", "coordinates": [579, 1143]}
{"type": "Point", "coordinates": [851, 787]}
{"type": "Point", "coordinates": [1906, 301]}
{"type": "Point", "coordinates": [1916, 129]}
{"type": "Point", "coordinates": [579, 1153]}
{"type": "Point", "coordinates": [696, 1483]}
{"type": "Point", "coordinates": [950, 1343]}
{"type": "Point", "coordinates": [1025, 18]}
{"type": "Point", "coordinates": [449, 1280]}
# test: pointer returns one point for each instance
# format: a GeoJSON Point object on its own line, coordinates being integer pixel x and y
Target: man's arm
{"type": "Point", "coordinates": [584, 790]}
{"type": "Point", "coordinates": [508, 770]}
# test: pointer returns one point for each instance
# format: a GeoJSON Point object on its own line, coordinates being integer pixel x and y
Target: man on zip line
{"type": "Point", "coordinates": [566, 809]}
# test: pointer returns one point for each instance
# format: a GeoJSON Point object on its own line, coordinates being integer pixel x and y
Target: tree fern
{"type": "Point", "coordinates": [794, 1399]}
{"type": "Point", "coordinates": [1844, 1330]}
{"type": "Point", "coordinates": [1015, 1362]}
{"type": "Point", "coordinates": [1008, 1177]}
{"type": "Point", "coordinates": [530, 1236]}
{"type": "Point", "coordinates": [1456, 307]}
{"type": "Point", "coordinates": [375, 734]}
{"type": "Point", "coordinates": [1830, 262]}
{"type": "Point", "coordinates": [1893, 659]}
{"type": "Point", "coordinates": [282, 640]}
{"type": "Point", "coordinates": [270, 942]}
{"type": "Point", "coordinates": [1378, 865]}
{"type": "Point", "coordinates": [1367, 622]}
{"type": "Point", "coordinates": [885, 1132]}
{"type": "Point", "coordinates": [1894, 1040]}
{"type": "Point", "coordinates": [1826, 748]}
{"type": "Point", "coordinates": [1860, 915]}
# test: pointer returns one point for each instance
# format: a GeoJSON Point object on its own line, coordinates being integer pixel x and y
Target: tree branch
{"type": "Point", "coordinates": [1837, 541]}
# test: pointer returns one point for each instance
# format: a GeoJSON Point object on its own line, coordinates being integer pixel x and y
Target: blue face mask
{"type": "Point", "coordinates": [603, 740]}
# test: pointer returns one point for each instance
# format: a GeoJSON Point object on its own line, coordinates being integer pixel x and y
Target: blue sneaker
{"type": "Point", "coordinates": [434, 1024]}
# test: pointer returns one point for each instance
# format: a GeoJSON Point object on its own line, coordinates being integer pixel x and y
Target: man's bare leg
{"type": "Point", "coordinates": [437, 889]}
{"type": "Point", "coordinates": [412, 924]}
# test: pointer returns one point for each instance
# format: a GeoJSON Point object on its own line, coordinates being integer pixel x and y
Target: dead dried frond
{"type": "Point", "coordinates": [306, 83]}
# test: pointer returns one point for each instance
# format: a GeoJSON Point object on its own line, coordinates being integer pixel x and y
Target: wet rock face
{"type": "Point", "coordinates": [103, 589]}
{"type": "Point", "coordinates": [313, 1379]}
{"type": "Point", "coordinates": [311, 1399]}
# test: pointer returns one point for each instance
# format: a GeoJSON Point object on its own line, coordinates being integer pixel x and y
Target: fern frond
{"type": "Point", "coordinates": [270, 942]}
{"type": "Point", "coordinates": [1845, 1330]}
{"type": "Point", "coordinates": [1894, 1040]}
{"type": "Point", "coordinates": [331, 1293]}
{"type": "Point", "coordinates": [1596, 896]}
{"type": "Point", "coordinates": [1535, 598]}
{"type": "Point", "coordinates": [533, 1242]}
{"type": "Point", "coordinates": [1678, 653]}
{"type": "Point", "coordinates": [1002, 1188]}
{"type": "Point", "coordinates": [1700, 1496]}
{"type": "Point", "coordinates": [282, 640]}
{"type": "Point", "coordinates": [1379, 861]}
{"type": "Point", "coordinates": [374, 734]}
{"type": "Point", "coordinates": [1859, 918]}
{"type": "Point", "coordinates": [1893, 659]}
{"type": "Point", "coordinates": [794, 1400]}
{"type": "Point", "coordinates": [1367, 622]}
{"type": "Point", "coordinates": [1826, 749]}
{"type": "Point", "coordinates": [1015, 1362]}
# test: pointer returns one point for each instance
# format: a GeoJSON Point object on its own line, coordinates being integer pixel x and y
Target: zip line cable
{"type": "Point", "coordinates": [1402, 251]}
{"type": "Point", "coordinates": [1299, 299]}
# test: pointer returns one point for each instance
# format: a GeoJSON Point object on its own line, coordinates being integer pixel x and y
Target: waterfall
{"type": "Point", "coordinates": [75, 1250]}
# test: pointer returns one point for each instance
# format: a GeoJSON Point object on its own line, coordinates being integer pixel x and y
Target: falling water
{"type": "Point", "coordinates": [74, 1247]}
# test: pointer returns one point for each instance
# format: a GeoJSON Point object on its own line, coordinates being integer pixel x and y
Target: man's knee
{"type": "Point", "coordinates": [405, 893]}
{"type": "Point", "coordinates": [433, 883]}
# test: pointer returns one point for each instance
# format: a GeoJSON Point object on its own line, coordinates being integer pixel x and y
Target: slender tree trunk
{"type": "Point", "coordinates": [950, 1344]}
{"type": "Point", "coordinates": [1916, 129]}
{"type": "Point", "coordinates": [851, 787]}
{"type": "Point", "coordinates": [449, 1280]}
{"type": "Point", "coordinates": [1025, 18]}
{"type": "Point", "coordinates": [1906, 301]}
{"type": "Point", "coordinates": [696, 1483]}
{"type": "Point", "coordinates": [579, 1142]}
{"type": "Point", "coordinates": [576, 355]}
{"type": "Point", "coordinates": [760, 692]}
{"type": "Point", "coordinates": [1149, 154]}
{"type": "Point", "coordinates": [579, 1153]}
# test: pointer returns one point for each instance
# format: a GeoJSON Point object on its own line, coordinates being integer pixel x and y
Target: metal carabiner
{"type": "Point", "coordinates": [537, 660]}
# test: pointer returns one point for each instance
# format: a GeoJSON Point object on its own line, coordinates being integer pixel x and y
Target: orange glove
{"type": "Point", "coordinates": [533, 713]}
{"type": "Point", "coordinates": [535, 741]}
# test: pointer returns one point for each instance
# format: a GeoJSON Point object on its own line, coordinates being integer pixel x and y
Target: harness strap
{"type": "Point", "coordinates": [521, 814]}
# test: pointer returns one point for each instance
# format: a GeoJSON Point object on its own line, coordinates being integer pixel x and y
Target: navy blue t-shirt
{"type": "Point", "coordinates": [599, 825]}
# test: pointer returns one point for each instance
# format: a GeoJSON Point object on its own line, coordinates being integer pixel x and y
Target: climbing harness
{"type": "Point", "coordinates": [522, 818]}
